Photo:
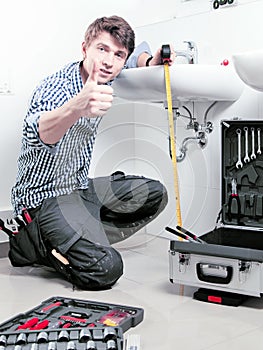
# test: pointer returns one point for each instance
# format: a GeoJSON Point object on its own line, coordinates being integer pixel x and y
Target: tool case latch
{"type": "Point", "coordinates": [184, 259]}
{"type": "Point", "coordinates": [244, 268]}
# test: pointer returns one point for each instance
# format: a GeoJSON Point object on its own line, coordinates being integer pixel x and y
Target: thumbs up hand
{"type": "Point", "coordinates": [94, 100]}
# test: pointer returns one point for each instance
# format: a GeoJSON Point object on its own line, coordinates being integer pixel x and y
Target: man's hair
{"type": "Point", "coordinates": [114, 25]}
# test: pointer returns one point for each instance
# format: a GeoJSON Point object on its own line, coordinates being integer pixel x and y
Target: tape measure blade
{"type": "Point", "coordinates": [172, 140]}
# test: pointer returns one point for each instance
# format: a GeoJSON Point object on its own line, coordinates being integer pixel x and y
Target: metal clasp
{"type": "Point", "coordinates": [184, 259]}
{"type": "Point", "coordinates": [244, 268]}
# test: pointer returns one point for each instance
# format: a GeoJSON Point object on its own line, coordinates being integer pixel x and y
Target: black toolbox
{"type": "Point", "coordinates": [230, 257]}
{"type": "Point", "coordinates": [65, 323]}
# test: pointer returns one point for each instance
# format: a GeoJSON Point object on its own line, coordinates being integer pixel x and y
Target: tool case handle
{"type": "Point", "coordinates": [213, 278]}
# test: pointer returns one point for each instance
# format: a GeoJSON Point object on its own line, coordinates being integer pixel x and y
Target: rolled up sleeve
{"type": "Point", "coordinates": [132, 60]}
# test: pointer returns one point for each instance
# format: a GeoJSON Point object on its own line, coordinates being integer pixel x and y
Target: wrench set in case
{"type": "Point", "coordinates": [64, 323]}
{"type": "Point", "coordinates": [229, 258]}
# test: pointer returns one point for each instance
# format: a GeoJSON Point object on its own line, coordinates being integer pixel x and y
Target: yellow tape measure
{"type": "Point", "coordinates": [166, 57]}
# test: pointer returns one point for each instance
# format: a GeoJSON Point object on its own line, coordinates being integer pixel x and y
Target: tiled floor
{"type": "Point", "coordinates": [172, 321]}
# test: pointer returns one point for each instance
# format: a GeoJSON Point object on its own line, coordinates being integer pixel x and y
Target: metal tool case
{"type": "Point", "coordinates": [231, 257]}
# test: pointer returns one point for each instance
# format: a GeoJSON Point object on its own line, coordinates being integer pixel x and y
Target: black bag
{"type": "Point", "coordinates": [27, 246]}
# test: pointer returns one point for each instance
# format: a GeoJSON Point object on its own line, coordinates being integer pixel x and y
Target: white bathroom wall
{"type": "Point", "coordinates": [39, 37]}
{"type": "Point", "coordinates": [218, 34]}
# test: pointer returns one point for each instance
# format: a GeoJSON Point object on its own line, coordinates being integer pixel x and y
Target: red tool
{"type": "Point", "coordinates": [67, 325]}
{"type": "Point", "coordinates": [190, 234]}
{"type": "Point", "coordinates": [26, 216]}
{"type": "Point", "coordinates": [30, 323]}
{"type": "Point", "coordinates": [234, 196]}
{"type": "Point", "coordinates": [180, 234]}
{"type": "Point", "coordinates": [41, 325]}
{"type": "Point", "coordinates": [51, 306]}
{"type": "Point", "coordinates": [73, 319]}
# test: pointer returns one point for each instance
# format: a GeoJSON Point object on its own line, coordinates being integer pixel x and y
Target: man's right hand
{"type": "Point", "coordinates": [94, 99]}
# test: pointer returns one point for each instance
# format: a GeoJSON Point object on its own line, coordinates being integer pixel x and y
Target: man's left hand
{"type": "Point", "coordinates": [158, 60]}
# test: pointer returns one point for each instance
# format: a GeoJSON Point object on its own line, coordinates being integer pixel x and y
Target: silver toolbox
{"type": "Point", "coordinates": [231, 256]}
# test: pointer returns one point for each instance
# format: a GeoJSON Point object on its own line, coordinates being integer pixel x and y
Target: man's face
{"type": "Point", "coordinates": [109, 55]}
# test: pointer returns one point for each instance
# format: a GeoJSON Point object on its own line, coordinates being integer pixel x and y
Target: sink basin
{"type": "Point", "coordinates": [189, 82]}
{"type": "Point", "coordinates": [249, 67]}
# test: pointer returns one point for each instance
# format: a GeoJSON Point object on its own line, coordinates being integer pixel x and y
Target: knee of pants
{"type": "Point", "coordinates": [111, 268]}
{"type": "Point", "coordinates": [164, 196]}
{"type": "Point", "coordinates": [160, 189]}
{"type": "Point", "coordinates": [102, 271]}
{"type": "Point", "coordinates": [158, 196]}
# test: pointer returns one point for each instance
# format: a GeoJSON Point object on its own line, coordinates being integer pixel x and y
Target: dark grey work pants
{"type": "Point", "coordinates": [83, 225]}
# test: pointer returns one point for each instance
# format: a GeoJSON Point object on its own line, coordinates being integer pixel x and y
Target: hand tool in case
{"type": "Point", "coordinates": [70, 324]}
{"type": "Point", "coordinates": [231, 261]}
{"type": "Point", "coordinates": [66, 313]}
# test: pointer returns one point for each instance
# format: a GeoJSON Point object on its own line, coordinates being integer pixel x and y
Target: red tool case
{"type": "Point", "coordinates": [231, 258]}
{"type": "Point", "coordinates": [70, 323]}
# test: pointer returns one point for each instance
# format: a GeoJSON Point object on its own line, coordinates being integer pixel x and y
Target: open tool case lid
{"type": "Point", "coordinates": [65, 313]}
{"type": "Point", "coordinates": [245, 207]}
{"type": "Point", "coordinates": [240, 236]}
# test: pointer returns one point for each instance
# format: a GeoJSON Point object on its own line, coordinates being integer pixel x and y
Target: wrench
{"type": "Point", "coordinates": [239, 163]}
{"type": "Point", "coordinates": [259, 144]}
{"type": "Point", "coordinates": [246, 159]}
{"type": "Point", "coordinates": [253, 155]}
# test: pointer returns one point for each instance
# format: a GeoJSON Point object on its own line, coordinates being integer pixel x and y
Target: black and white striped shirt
{"type": "Point", "coordinates": [46, 171]}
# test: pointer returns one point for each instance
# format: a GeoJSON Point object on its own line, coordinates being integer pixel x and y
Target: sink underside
{"type": "Point", "coordinates": [189, 82]}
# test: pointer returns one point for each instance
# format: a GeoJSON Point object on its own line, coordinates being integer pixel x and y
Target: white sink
{"type": "Point", "coordinates": [189, 82]}
{"type": "Point", "coordinates": [249, 67]}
